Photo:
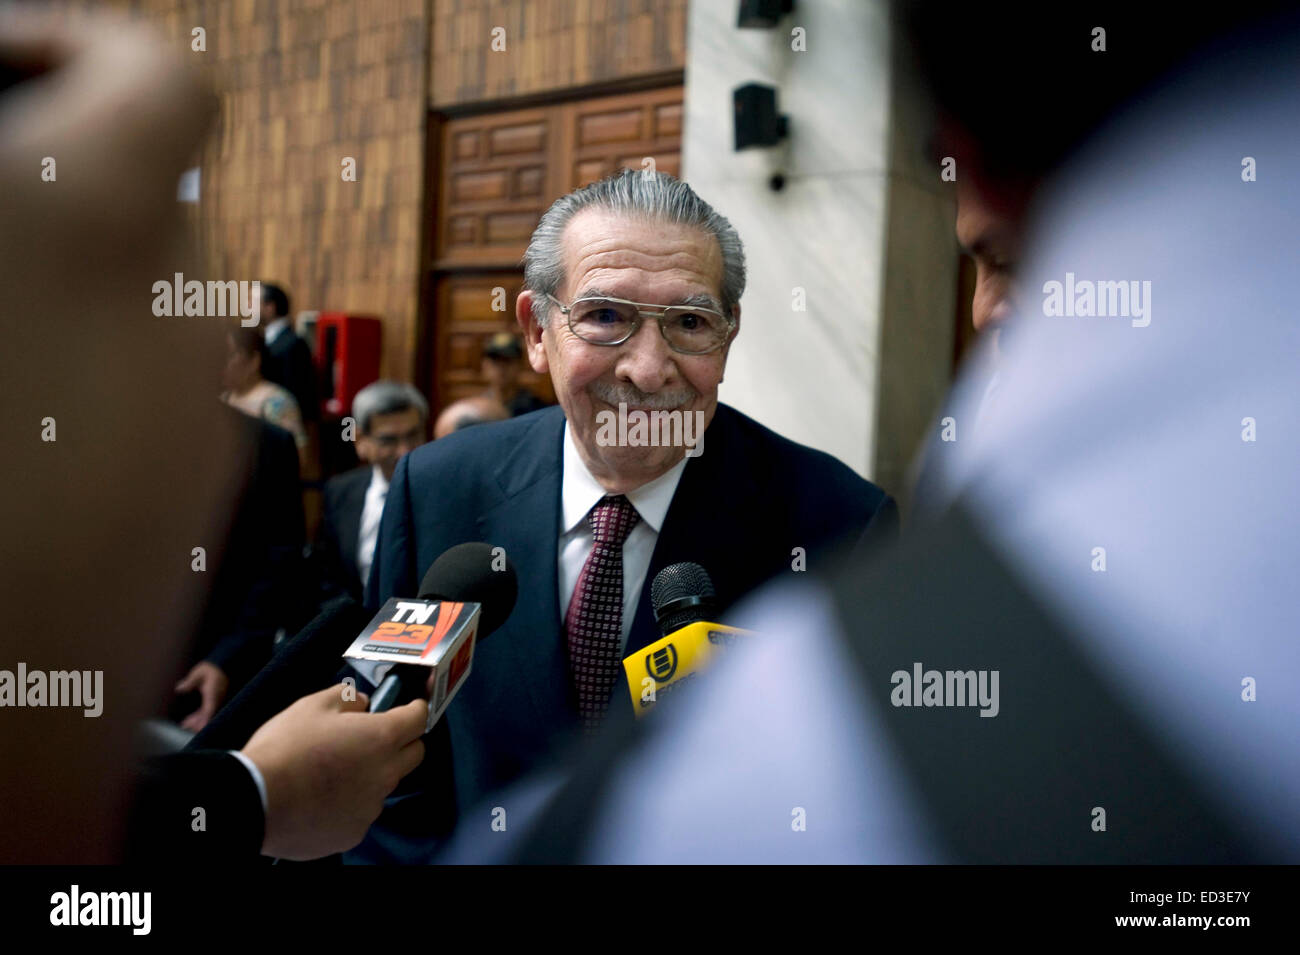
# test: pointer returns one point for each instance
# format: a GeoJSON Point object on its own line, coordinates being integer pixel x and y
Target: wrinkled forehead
{"type": "Point", "coordinates": [640, 258]}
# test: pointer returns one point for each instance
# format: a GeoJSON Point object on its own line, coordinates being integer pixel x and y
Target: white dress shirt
{"type": "Point", "coordinates": [371, 512]}
{"type": "Point", "coordinates": [580, 492]}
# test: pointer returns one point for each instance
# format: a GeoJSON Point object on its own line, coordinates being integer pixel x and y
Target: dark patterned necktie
{"type": "Point", "coordinates": [594, 625]}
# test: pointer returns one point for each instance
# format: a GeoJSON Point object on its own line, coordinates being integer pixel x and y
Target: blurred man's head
{"type": "Point", "coordinates": [648, 240]}
{"type": "Point", "coordinates": [990, 221]}
{"type": "Point", "coordinates": [274, 303]}
{"type": "Point", "coordinates": [1019, 92]}
{"type": "Point", "coordinates": [391, 419]}
{"type": "Point", "coordinates": [468, 412]}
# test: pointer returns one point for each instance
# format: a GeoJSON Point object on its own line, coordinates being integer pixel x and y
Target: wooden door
{"type": "Point", "coordinates": [496, 173]}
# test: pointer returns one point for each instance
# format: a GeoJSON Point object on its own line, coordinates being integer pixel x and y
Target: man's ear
{"type": "Point", "coordinates": [532, 331]}
{"type": "Point", "coordinates": [726, 350]}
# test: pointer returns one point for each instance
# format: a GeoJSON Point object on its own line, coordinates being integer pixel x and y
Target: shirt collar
{"type": "Point", "coordinates": [378, 483]}
{"type": "Point", "coordinates": [580, 492]}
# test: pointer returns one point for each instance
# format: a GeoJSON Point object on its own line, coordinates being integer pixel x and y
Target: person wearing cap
{"type": "Point", "coordinates": [502, 362]}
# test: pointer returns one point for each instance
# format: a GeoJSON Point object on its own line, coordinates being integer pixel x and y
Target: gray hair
{"type": "Point", "coordinates": [656, 196]}
{"type": "Point", "coordinates": [386, 397]}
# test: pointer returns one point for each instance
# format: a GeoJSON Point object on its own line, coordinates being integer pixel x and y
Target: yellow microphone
{"type": "Point", "coordinates": [683, 599]}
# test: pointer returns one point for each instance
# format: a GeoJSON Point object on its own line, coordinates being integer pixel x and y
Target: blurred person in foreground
{"type": "Point", "coordinates": [391, 420]}
{"type": "Point", "coordinates": [1149, 685]}
{"type": "Point", "coordinates": [995, 193]}
{"type": "Point", "coordinates": [100, 524]}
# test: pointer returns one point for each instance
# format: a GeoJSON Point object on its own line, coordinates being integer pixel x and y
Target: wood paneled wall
{"type": "Point", "coordinates": [304, 84]}
{"type": "Point", "coordinates": [549, 45]}
{"type": "Point", "coordinates": [499, 171]}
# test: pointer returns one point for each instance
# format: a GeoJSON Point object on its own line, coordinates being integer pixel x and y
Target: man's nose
{"type": "Point", "coordinates": [645, 359]}
{"type": "Point", "coordinates": [1001, 309]}
{"type": "Point", "coordinates": [992, 305]}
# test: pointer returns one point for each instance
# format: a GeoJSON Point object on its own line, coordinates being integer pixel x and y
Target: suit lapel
{"type": "Point", "coordinates": [352, 506]}
{"type": "Point", "coordinates": [696, 506]}
{"type": "Point", "coordinates": [526, 522]}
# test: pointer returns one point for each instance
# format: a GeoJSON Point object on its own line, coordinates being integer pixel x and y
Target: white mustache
{"type": "Point", "coordinates": [634, 397]}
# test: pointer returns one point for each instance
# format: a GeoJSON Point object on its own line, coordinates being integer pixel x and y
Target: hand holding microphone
{"type": "Point", "coordinates": [373, 742]}
{"type": "Point", "coordinates": [328, 755]}
{"type": "Point", "coordinates": [307, 752]}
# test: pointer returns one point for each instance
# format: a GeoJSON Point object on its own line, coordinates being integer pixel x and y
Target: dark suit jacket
{"type": "Point", "coordinates": [289, 364]}
{"type": "Point", "coordinates": [169, 789]}
{"type": "Point", "coordinates": [741, 509]}
{"type": "Point", "coordinates": [334, 555]}
{"type": "Point", "coordinates": [258, 585]}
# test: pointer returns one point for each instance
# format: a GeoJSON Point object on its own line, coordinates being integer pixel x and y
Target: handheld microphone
{"type": "Point", "coordinates": [466, 594]}
{"type": "Point", "coordinates": [683, 599]}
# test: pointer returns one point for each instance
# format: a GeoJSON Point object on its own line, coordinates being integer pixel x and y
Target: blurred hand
{"type": "Point", "coordinates": [122, 112]}
{"type": "Point", "coordinates": [211, 683]}
{"type": "Point", "coordinates": [328, 765]}
{"type": "Point", "coordinates": [115, 106]}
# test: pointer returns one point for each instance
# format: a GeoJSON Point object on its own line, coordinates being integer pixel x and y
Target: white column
{"type": "Point", "coordinates": [816, 375]}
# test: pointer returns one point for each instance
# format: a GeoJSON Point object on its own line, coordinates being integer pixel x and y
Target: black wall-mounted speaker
{"type": "Point", "coordinates": [762, 14]}
{"type": "Point", "coordinates": [757, 121]}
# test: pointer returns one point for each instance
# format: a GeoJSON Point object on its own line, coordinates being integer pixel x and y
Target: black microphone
{"type": "Point", "coordinates": [682, 594]}
{"type": "Point", "coordinates": [472, 575]}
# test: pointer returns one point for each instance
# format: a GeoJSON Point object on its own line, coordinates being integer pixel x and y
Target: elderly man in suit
{"type": "Point", "coordinates": [631, 302]}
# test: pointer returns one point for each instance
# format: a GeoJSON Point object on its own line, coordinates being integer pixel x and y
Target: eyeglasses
{"type": "Point", "coordinates": [688, 329]}
{"type": "Point", "coordinates": [390, 441]}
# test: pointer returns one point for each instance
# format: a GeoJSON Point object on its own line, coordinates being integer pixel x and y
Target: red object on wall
{"type": "Point", "coordinates": [347, 358]}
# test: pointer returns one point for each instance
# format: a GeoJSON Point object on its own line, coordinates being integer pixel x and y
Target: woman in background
{"type": "Point", "coordinates": [252, 394]}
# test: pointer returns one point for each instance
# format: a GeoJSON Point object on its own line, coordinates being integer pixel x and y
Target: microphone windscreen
{"type": "Point", "coordinates": [302, 665]}
{"type": "Point", "coordinates": [681, 594]}
{"type": "Point", "coordinates": [474, 573]}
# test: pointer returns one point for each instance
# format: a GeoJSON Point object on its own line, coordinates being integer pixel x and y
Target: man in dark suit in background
{"type": "Point", "coordinates": [391, 419]}
{"type": "Point", "coordinates": [588, 503]}
{"type": "Point", "coordinates": [288, 361]}
{"type": "Point", "coordinates": [259, 580]}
